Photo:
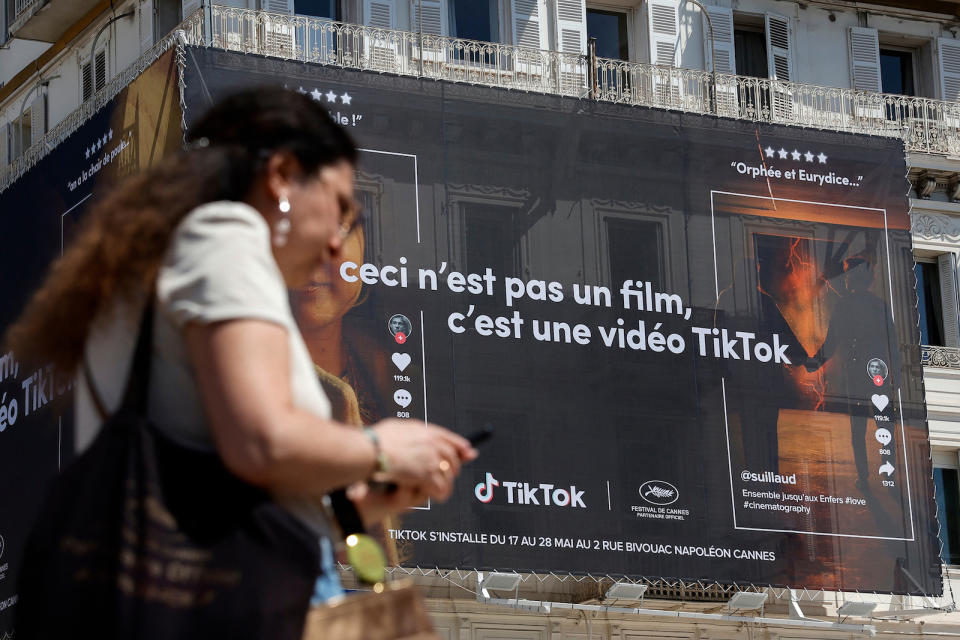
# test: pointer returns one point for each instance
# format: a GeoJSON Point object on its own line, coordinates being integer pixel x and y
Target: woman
{"type": "Point", "coordinates": [217, 235]}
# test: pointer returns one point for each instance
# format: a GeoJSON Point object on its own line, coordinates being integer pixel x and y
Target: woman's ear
{"type": "Point", "coordinates": [282, 170]}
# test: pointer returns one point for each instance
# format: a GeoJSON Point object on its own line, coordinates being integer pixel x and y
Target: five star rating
{"type": "Point", "coordinates": [330, 96]}
{"type": "Point", "coordinates": [98, 144]}
{"type": "Point", "coordinates": [795, 155]}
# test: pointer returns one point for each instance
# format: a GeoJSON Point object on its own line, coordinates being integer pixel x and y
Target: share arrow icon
{"type": "Point", "coordinates": [886, 468]}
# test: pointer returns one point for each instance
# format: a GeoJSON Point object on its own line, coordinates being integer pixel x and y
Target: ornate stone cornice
{"type": "Point", "coordinates": [940, 356]}
{"type": "Point", "coordinates": [935, 226]}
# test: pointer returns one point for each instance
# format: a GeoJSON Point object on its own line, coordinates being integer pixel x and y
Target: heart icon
{"type": "Point", "coordinates": [402, 397]}
{"type": "Point", "coordinates": [401, 360]}
{"type": "Point", "coordinates": [880, 401]}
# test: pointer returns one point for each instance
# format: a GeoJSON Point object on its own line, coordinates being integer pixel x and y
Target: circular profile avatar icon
{"type": "Point", "coordinates": [877, 371]}
{"type": "Point", "coordinates": [400, 327]}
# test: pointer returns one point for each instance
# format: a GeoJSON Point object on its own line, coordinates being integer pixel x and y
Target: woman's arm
{"type": "Point", "coordinates": [243, 371]}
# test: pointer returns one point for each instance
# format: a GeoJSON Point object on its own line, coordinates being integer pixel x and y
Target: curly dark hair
{"type": "Point", "coordinates": [119, 249]}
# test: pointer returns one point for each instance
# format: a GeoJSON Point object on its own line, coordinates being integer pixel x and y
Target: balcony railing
{"type": "Point", "coordinates": [925, 125]}
{"type": "Point", "coordinates": [932, 356]}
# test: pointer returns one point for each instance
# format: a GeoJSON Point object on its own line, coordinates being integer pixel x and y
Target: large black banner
{"type": "Point", "coordinates": [38, 214]}
{"type": "Point", "coordinates": [695, 337]}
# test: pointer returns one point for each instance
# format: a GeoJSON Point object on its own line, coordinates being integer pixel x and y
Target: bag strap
{"type": "Point", "coordinates": [95, 396]}
{"type": "Point", "coordinates": [137, 391]}
{"type": "Point", "coordinates": [346, 513]}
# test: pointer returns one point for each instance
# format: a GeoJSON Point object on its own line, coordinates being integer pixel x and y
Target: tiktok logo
{"type": "Point", "coordinates": [484, 490]}
{"type": "Point", "coordinates": [531, 493]}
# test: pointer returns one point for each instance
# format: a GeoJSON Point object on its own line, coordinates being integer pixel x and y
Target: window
{"type": "Point", "coordinates": [635, 248]}
{"type": "Point", "coordinates": [762, 46]}
{"type": "Point", "coordinates": [929, 305]}
{"type": "Point", "coordinates": [897, 72]}
{"type": "Point", "coordinates": [475, 19]}
{"type": "Point", "coordinates": [947, 483]}
{"type": "Point", "coordinates": [166, 17]}
{"type": "Point", "coordinates": [93, 77]}
{"type": "Point", "coordinates": [21, 134]}
{"type": "Point", "coordinates": [750, 51]}
{"type": "Point", "coordinates": [318, 8]}
{"type": "Point", "coordinates": [610, 30]}
{"type": "Point", "coordinates": [489, 238]}
{"type": "Point", "coordinates": [937, 300]}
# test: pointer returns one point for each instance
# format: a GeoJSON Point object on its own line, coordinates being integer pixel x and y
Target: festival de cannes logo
{"type": "Point", "coordinates": [659, 492]}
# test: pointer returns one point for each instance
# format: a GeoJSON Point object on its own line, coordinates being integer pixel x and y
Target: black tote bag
{"type": "Point", "coordinates": [142, 537]}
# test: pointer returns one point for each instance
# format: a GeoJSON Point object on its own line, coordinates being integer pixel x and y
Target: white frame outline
{"type": "Point", "coordinates": [423, 355]}
{"type": "Point", "coordinates": [723, 382]}
{"type": "Point", "coordinates": [60, 418]}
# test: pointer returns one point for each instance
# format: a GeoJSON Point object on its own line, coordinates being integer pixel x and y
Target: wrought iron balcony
{"type": "Point", "coordinates": [924, 124]}
{"type": "Point", "coordinates": [933, 356]}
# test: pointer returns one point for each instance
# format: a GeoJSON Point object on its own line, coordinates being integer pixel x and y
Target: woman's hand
{"type": "Point", "coordinates": [422, 458]}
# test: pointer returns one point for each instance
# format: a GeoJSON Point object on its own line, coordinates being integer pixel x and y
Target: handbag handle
{"type": "Point", "coordinates": [136, 393]}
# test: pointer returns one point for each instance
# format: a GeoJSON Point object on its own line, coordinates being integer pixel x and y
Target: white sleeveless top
{"type": "Point", "coordinates": [219, 266]}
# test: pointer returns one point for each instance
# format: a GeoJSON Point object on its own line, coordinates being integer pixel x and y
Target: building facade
{"type": "Point", "coordinates": [888, 68]}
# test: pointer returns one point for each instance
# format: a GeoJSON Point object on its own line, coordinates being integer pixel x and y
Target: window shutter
{"type": "Point", "coordinates": [4, 33]}
{"type": "Point", "coordinates": [188, 6]}
{"type": "Point", "coordinates": [86, 81]}
{"type": "Point", "coordinates": [38, 118]}
{"type": "Point", "coordinates": [146, 24]}
{"type": "Point", "coordinates": [572, 26]}
{"type": "Point", "coordinates": [946, 263]}
{"type": "Point", "coordinates": [949, 68]}
{"type": "Point", "coordinates": [100, 70]}
{"type": "Point", "coordinates": [722, 20]}
{"type": "Point", "coordinates": [4, 145]}
{"type": "Point", "coordinates": [663, 23]}
{"type": "Point", "coordinates": [379, 14]}
{"type": "Point", "coordinates": [779, 55]}
{"type": "Point", "coordinates": [434, 17]}
{"type": "Point", "coordinates": [381, 52]}
{"type": "Point", "coordinates": [278, 6]}
{"type": "Point", "coordinates": [278, 34]}
{"type": "Point", "coordinates": [527, 24]}
{"type": "Point", "coordinates": [864, 59]}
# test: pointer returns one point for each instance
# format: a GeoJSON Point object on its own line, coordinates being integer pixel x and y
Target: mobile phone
{"type": "Point", "coordinates": [481, 436]}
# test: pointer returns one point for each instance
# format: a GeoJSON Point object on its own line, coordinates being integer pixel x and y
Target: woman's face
{"type": "Point", "coordinates": [320, 205]}
{"type": "Point", "coordinates": [327, 297]}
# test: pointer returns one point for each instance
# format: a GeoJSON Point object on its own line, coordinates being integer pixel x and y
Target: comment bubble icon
{"type": "Point", "coordinates": [883, 436]}
{"type": "Point", "coordinates": [402, 397]}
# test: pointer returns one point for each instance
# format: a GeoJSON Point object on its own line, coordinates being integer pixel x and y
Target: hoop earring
{"type": "Point", "coordinates": [282, 228]}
